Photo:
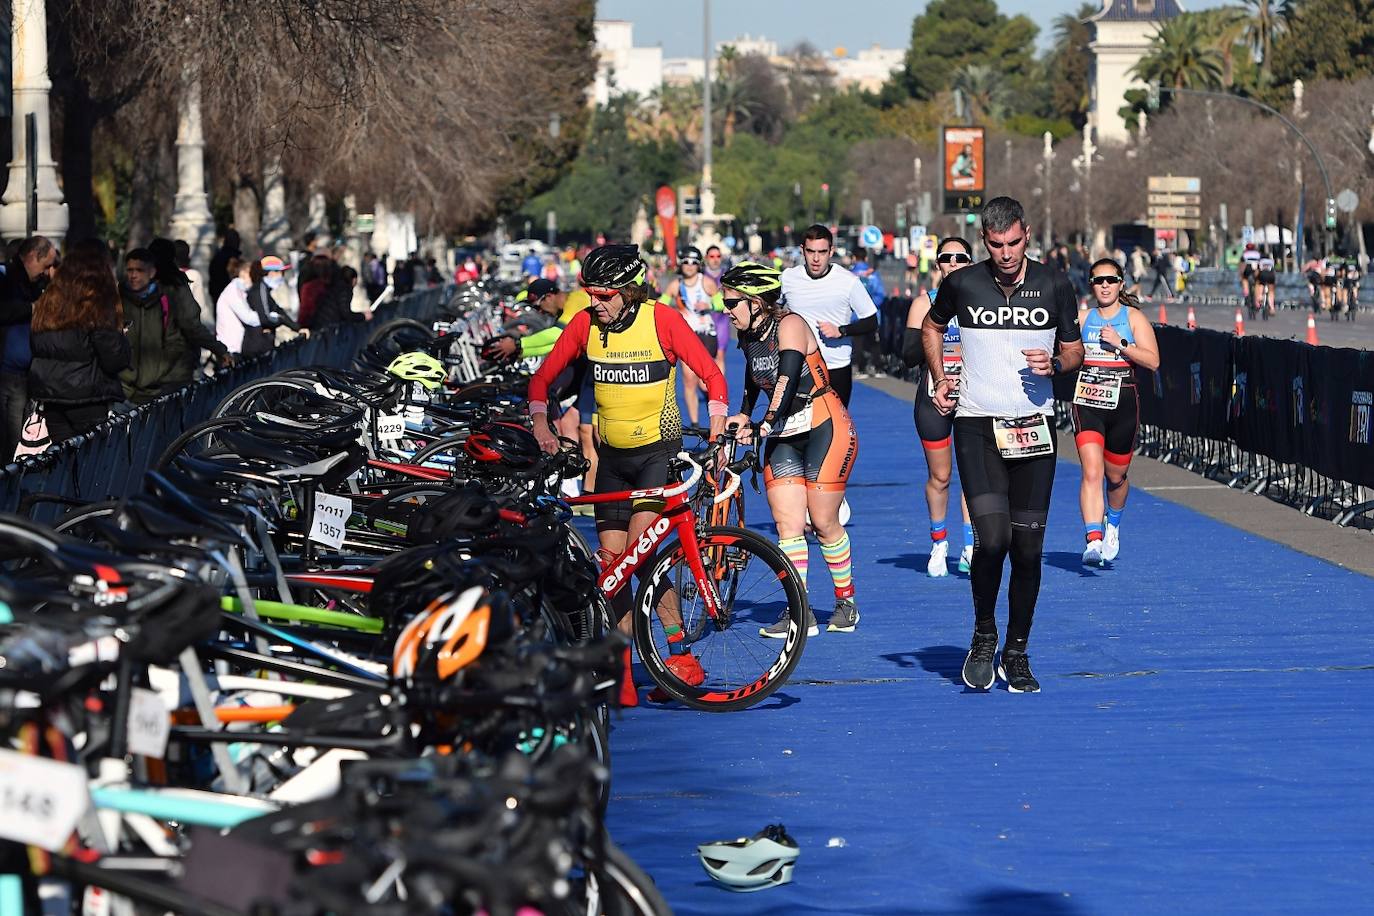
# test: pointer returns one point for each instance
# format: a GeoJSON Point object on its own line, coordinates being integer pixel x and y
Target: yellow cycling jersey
{"type": "Point", "coordinates": [635, 384]}
{"type": "Point", "coordinates": [577, 301]}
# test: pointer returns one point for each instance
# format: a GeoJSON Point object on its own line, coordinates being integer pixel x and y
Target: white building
{"type": "Point", "coordinates": [747, 44]}
{"type": "Point", "coordinates": [620, 66]}
{"type": "Point", "coordinates": [683, 71]}
{"type": "Point", "coordinates": [868, 69]}
{"type": "Point", "coordinates": [1121, 36]}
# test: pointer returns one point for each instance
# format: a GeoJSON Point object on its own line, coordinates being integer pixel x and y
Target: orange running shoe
{"type": "Point", "coordinates": [685, 668]}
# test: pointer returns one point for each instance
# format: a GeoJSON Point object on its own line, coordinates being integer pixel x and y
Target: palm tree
{"type": "Point", "coordinates": [1264, 20]}
{"type": "Point", "coordinates": [735, 104]}
{"type": "Point", "coordinates": [985, 91]}
{"type": "Point", "coordinates": [1182, 55]}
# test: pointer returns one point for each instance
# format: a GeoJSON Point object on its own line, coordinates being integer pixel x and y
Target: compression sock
{"type": "Point", "coordinates": [938, 531]}
{"type": "Point", "coordinates": [837, 558]}
{"type": "Point", "coordinates": [676, 644]}
{"type": "Point", "coordinates": [1114, 515]}
{"type": "Point", "coordinates": [1093, 530]}
{"type": "Point", "coordinates": [799, 553]}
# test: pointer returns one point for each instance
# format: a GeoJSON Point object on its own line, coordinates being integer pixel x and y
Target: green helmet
{"type": "Point", "coordinates": [752, 279]}
{"type": "Point", "coordinates": [419, 367]}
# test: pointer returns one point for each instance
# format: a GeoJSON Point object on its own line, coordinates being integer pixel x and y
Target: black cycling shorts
{"type": "Point", "coordinates": [1267, 277]}
{"type": "Point", "coordinates": [631, 469]}
{"type": "Point", "coordinates": [711, 341]}
{"type": "Point", "coordinates": [933, 427]}
{"type": "Point", "coordinates": [1114, 430]}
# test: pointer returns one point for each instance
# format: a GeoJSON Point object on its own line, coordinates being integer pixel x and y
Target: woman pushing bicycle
{"type": "Point", "coordinates": [811, 440]}
{"type": "Point", "coordinates": [633, 347]}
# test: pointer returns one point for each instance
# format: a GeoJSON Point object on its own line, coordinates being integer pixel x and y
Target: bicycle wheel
{"type": "Point", "coordinates": [617, 886]}
{"type": "Point", "coordinates": [758, 587]}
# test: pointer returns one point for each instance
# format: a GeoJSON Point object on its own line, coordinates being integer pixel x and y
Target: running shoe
{"type": "Point", "coordinates": [778, 630]}
{"type": "Point", "coordinates": [979, 671]}
{"type": "Point", "coordinates": [939, 560]}
{"type": "Point", "coordinates": [966, 558]}
{"type": "Point", "coordinates": [1016, 671]}
{"type": "Point", "coordinates": [1092, 554]}
{"type": "Point", "coordinates": [845, 618]}
{"type": "Point", "coordinates": [685, 668]}
{"type": "Point", "coordinates": [1111, 543]}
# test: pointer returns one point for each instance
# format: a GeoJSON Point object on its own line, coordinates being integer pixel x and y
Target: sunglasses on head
{"type": "Point", "coordinates": [954, 257]}
{"type": "Point", "coordinates": [1105, 280]}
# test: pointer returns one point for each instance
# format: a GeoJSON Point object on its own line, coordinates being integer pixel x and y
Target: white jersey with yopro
{"type": "Point", "coordinates": [831, 297]}
{"type": "Point", "coordinates": [995, 326]}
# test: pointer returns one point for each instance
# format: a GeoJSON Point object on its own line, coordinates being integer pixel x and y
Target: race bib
{"type": "Point", "coordinates": [330, 519]}
{"type": "Point", "coordinates": [1097, 388]}
{"type": "Point", "coordinates": [797, 424]}
{"type": "Point", "coordinates": [41, 800]}
{"type": "Point", "coordinates": [952, 370]}
{"type": "Point", "coordinates": [1023, 437]}
{"type": "Point", "coordinates": [390, 427]}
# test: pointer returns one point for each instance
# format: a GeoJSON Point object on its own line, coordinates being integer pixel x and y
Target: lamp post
{"type": "Point", "coordinates": [1047, 234]}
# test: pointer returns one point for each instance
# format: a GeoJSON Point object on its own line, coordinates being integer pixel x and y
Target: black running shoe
{"type": "Point", "coordinates": [979, 671]}
{"type": "Point", "coordinates": [1015, 670]}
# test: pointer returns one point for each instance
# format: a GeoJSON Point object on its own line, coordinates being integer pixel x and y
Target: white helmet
{"type": "Point", "coordinates": [753, 863]}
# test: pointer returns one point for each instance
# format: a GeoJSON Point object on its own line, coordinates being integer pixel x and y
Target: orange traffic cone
{"type": "Point", "coordinates": [1163, 314]}
{"type": "Point", "coordinates": [1312, 329]}
{"type": "Point", "coordinates": [1192, 319]}
{"type": "Point", "coordinates": [1240, 324]}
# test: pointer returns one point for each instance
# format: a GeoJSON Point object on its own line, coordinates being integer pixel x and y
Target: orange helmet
{"type": "Point", "coordinates": [445, 637]}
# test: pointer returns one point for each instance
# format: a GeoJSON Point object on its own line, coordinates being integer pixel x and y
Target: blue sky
{"type": "Point", "coordinates": [676, 24]}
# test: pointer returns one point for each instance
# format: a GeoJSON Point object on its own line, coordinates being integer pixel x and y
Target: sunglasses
{"type": "Point", "coordinates": [603, 295]}
{"type": "Point", "coordinates": [1105, 281]}
{"type": "Point", "coordinates": [734, 302]}
{"type": "Point", "coordinates": [954, 257]}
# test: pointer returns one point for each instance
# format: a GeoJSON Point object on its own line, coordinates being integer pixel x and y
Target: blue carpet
{"type": "Point", "coordinates": [1202, 743]}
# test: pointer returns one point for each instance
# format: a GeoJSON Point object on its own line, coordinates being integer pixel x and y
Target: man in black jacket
{"type": "Point", "coordinates": [23, 282]}
{"type": "Point", "coordinates": [219, 264]}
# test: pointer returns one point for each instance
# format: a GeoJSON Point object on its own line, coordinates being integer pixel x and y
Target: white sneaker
{"type": "Point", "coordinates": [966, 558]}
{"type": "Point", "coordinates": [1092, 554]}
{"type": "Point", "coordinates": [1111, 543]}
{"type": "Point", "coordinates": [939, 560]}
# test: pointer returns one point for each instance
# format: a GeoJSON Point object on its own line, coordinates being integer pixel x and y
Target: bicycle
{"type": "Point", "coordinates": [675, 585]}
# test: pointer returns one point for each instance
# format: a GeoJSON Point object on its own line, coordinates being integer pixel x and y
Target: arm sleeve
{"type": "Point", "coordinates": [678, 341]}
{"type": "Point", "coordinates": [540, 342]}
{"type": "Point", "coordinates": [913, 351]}
{"type": "Point", "coordinates": [571, 344]}
{"type": "Point", "coordinates": [866, 325]}
{"type": "Point", "coordinates": [1067, 330]}
{"type": "Point", "coordinates": [751, 394]}
{"type": "Point", "coordinates": [790, 369]}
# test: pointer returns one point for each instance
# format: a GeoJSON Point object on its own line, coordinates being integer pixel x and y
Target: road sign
{"type": "Point", "coordinates": [1183, 212]}
{"type": "Point", "coordinates": [1171, 183]}
{"type": "Point", "coordinates": [1169, 221]}
{"type": "Point", "coordinates": [871, 237]}
{"type": "Point", "coordinates": [1347, 201]}
{"type": "Point", "coordinates": [1164, 198]}
{"type": "Point", "coordinates": [1247, 235]}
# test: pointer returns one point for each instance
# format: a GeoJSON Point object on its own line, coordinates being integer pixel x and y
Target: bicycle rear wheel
{"type": "Point", "coordinates": [757, 587]}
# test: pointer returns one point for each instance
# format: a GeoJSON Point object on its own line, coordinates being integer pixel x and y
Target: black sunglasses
{"type": "Point", "coordinates": [954, 257]}
{"type": "Point", "coordinates": [733, 303]}
{"type": "Point", "coordinates": [1105, 281]}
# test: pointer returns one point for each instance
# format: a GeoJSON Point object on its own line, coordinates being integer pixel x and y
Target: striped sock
{"type": "Point", "coordinates": [1093, 530]}
{"type": "Point", "coordinates": [968, 534]}
{"type": "Point", "coordinates": [799, 553]}
{"type": "Point", "coordinates": [837, 558]}
{"type": "Point", "coordinates": [1114, 515]}
{"type": "Point", "coordinates": [937, 531]}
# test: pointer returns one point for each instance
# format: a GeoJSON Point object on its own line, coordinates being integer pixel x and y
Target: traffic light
{"type": "Point", "coordinates": [970, 218]}
{"type": "Point", "coordinates": [1331, 213]}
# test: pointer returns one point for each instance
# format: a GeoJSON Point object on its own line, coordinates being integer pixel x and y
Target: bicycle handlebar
{"type": "Point", "coordinates": [691, 480]}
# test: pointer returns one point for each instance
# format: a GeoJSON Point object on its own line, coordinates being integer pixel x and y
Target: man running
{"type": "Point", "coordinates": [825, 295]}
{"type": "Point", "coordinates": [1012, 313]}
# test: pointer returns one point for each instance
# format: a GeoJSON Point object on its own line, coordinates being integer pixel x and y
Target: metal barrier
{"type": "Point", "coordinates": [110, 461]}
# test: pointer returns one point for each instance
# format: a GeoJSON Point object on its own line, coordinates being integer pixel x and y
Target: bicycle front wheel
{"type": "Point", "coordinates": [757, 587]}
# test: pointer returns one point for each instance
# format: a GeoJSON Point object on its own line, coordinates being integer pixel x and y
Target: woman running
{"type": "Point", "coordinates": [811, 440]}
{"type": "Point", "coordinates": [935, 428]}
{"type": "Point", "coordinates": [1106, 414]}
{"type": "Point", "coordinates": [693, 293]}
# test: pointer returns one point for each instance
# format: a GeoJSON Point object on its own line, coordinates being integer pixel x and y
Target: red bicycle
{"type": "Point", "coordinates": [750, 583]}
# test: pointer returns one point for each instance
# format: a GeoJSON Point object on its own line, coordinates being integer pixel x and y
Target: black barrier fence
{"type": "Point", "coordinates": [109, 462]}
{"type": "Point", "coordinates": [1278, 417]}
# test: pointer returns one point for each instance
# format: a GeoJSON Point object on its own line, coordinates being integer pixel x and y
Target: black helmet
{"type": "Point", "coordinates": [507, 444]}
{"type": "Point", "coordinates": [612, 267]}
{"type": "Point", "coordinates": [690, 253]}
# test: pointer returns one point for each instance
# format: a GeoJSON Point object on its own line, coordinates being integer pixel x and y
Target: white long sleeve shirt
{"type": "Point", "coordinates": [232, 315]}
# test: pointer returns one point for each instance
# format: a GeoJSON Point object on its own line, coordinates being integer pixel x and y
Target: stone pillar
{"type": "Point", "coordinates": [318, 221]}
{"type": "Point", "coordinates": [29, 44]}
{"type": "Point", "coordinates": [191, 219]}
{"type": "Point", "coordinates": [276, 227]}
{"type": "Point", "coordinates": [352, 239]}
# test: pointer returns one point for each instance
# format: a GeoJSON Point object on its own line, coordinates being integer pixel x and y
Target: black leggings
{"type": "Point", "coordinates": [1008, 502]}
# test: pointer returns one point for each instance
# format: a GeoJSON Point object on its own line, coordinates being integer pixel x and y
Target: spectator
{"type": "Point", "coordinates": [247, 315]}
{"type": "Point", "coordinates": [531, 267]}
{"type": "Point", "coordinates": [866, 345]}
{"type": "Point", "coordinates": [27, 273]}
{"type": "Point", "coordinates": [79, 347]}
{"type": "Point", "coordinates": [165, 333]}
{"type": "Point", "coordinates": [219, 264]}
{"type": "Point", "coordinates": [336, 304]}
{"type": "Point", "coordinates": [432, 275]}
{"type": "Point", "coordinates": [374, 276]}
{"type": "Point", "coordinates": [182, 257]}
{"type": "Point", "coordinates": [403, 277]}
{"type": "Point", "coordinates": [266, 277]}
{"type": "Point", "coordinates": [311, 291]}
{"type": "Point", "coordinates": [308, 264]}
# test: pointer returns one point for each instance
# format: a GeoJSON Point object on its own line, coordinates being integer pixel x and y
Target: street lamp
{"type": "Point", "coordinates": [1048, 233]}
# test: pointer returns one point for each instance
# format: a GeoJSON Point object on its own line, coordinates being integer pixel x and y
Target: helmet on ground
{"type": "Point", "coordinates": [611, 268]}
{"type": "Point", "coordinates": [506, 444]}
{"type": "Point", "coordinates": [752, 279]}
{"type": "Point", "coordinates": [690, 254]}
{"type": "Point", "coordinates": [419, 367]}
{"type": "Point", "coordinates": [444, 638]}
{"type": "Point", "coordinates": [753, 863]}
